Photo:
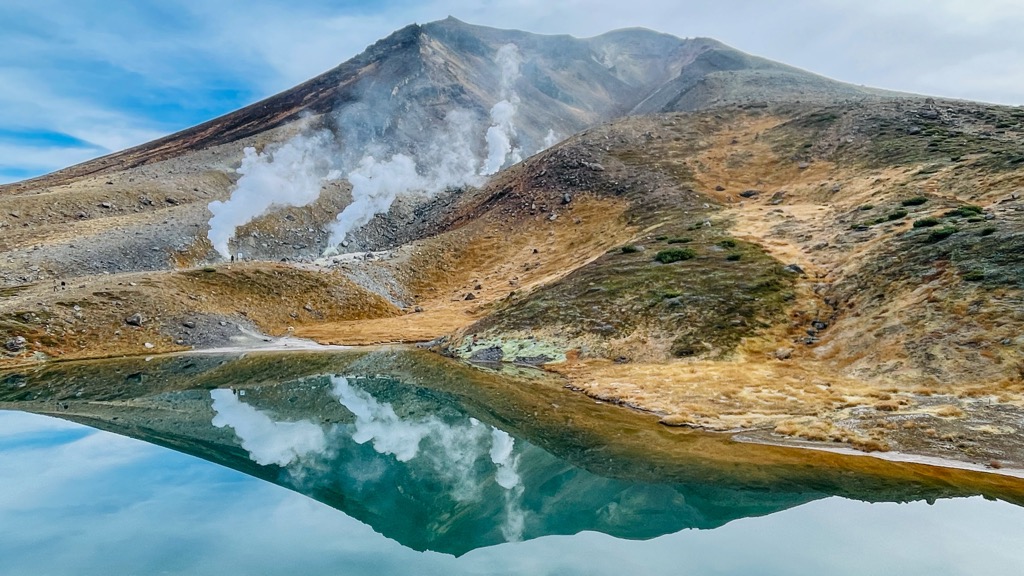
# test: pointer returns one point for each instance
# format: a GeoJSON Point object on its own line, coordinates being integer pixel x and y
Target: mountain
{"type": "Point", "coordinates": [727, 242]}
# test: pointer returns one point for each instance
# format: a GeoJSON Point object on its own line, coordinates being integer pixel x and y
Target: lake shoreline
{"type": "Point", "coordinates": [259, 344]}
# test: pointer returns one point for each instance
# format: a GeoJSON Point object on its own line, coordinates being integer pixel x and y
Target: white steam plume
{"type": "Point", "coordinates": [550, 140]}
{"type": "Point", "coordinates": [291, 175]}
{"type": "Point", "coordinates": [448, 162]}
{"type": "Point", "coordinates": [501, 135]}
{"type": "Point", "coordinates": [267, 441]}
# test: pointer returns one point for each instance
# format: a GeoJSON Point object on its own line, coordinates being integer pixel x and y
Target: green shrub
{"type": "Point", "coordinates": [974, 276]}
{"type": "Point", "coordinates": [941, 233]}
{"type": "Point", "coordinates": [975, 219]}
{"type": "Point", "coordinates": [865, 207]}
{"type": "Point", "coordinates": [915, 201]}
{"type": "Point", "coordinates": [927, 222]}
{"type": "Point", "coordinates": [966, 211]}
{"type": "Point", "coordinates": [629, 249]}
{"type": "Point", "coordinates": [661, 238]}
{"type": "Point", "coordinates": [987, 231]}
{"type": "Point", "coordinates": [727, 243]}
{"type": "Point", "coordinates": [674, 255]}
{"type": "Point", "coordinates": [897, 215]}
{"type": "Point", "coordinates": [683, 240]}
{"type": "Point", "coordinates": [733, 257]}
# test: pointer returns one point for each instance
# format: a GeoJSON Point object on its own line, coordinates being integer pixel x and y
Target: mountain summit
{"type": "Point", "coordinates": [412, 78]}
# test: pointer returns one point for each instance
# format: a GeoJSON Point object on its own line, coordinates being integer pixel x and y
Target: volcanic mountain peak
{"type": "Point", "coordinates": [409, 81]}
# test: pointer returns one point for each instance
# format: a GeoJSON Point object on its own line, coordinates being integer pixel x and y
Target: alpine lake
{"type": "Point", "coordinates": [396, 461]}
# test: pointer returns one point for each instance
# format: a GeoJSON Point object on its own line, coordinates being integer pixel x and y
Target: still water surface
{"type": "Point", "coordinates": [356, 471]}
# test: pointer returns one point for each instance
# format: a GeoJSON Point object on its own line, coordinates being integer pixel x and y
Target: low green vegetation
{"type": "Point", "coordinates": [683, 240]}
{"type": "Point", "coordinates": [915, 201]}
{"type": "Point", "coordinates": [897, 215]}
{"type": "Point", "coordinates": [675, 255]}
{"type": "Point", "coordinates": [927, 222]}
{"type": "Point", "coordinates": [965, 211]}
{"type": "Point", "coordinates": [941, 233]}
{"type": "Point", "coordinates": [629, 249]}
{"type": "Point", "coordinates": [974, 276]}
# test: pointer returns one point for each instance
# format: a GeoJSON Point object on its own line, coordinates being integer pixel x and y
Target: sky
{"type": "Point", "coordinates": [83, 78]}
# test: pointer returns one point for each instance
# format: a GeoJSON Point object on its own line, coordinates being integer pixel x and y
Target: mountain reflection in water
{"type": "Point", "coordinates": [440, 456]}
{"type": "Point", "coordinates": [432, 477]}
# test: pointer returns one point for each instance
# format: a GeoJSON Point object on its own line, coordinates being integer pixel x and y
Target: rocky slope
{"type": "Point", "coordinates": [771, 251]}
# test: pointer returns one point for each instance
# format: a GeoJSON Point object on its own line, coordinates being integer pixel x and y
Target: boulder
{"type": "Point", "coordinates": [16, 344]}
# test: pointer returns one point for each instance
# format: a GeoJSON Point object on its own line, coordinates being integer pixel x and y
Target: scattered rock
{"type": "Point", "coordinates": [188, 324]}
{"type": "Point", "coordinates": [794, 268]}
{"type": "Point", "coordinates": [783, 353]}
{"type": "Point", "coordinates": [469, 296]}
{"type": "Point", "coordinates": [16, 344]}
{"type": "Point", "coordinates": [418, 309]}
{"type": "Point", "coordinates": [478, 287]}
{"type": "Point", "coordinates": [803, 165]}
{"type": "Point", "coordinates": [134, 320]}
{"type": "Point", "coordinates": [777, 198]}
{"type": "Point", "coordinates": [914, 130]}
{"type": "Point", "coordinates": [491, 354]}
{"type": "Point", "coordinates": [594, 166]}
{"type": "Point", "coordinates": [148, 345]}
{"type": "Point", "coordinates": [566, 198]}
{"type": "Point", "coordinates": [719, 188]}
{"type": "Point", "coordinates": [749, 193]}
{"type": "Point", "coordinates": [928, 114]}
{"type": "Point", "coordinates": [171, 200]}
{"type": "Point", "coordinates": [106, 205]}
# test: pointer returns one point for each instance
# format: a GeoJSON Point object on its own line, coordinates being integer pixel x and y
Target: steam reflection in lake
{"type": "Point", "coordinates": [80, 501]}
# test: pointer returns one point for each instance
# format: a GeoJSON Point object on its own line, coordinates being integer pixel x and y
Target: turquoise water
{"type": "Point", "coordinates": [364, 473]}
{"type": "Point", "coordinates": [81, 501]}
